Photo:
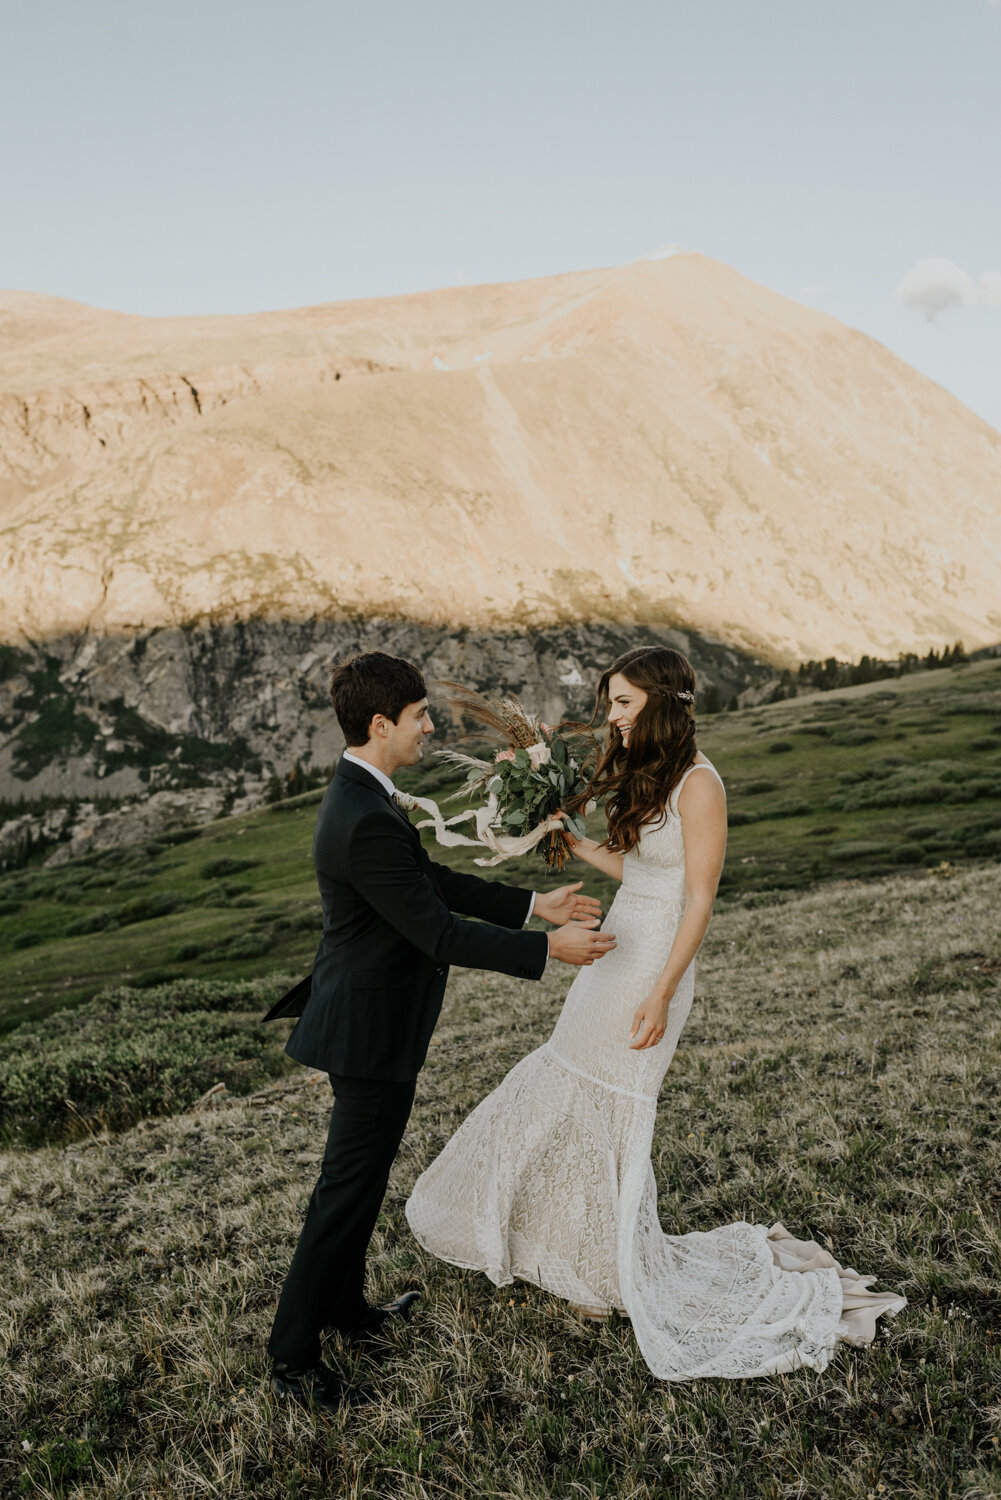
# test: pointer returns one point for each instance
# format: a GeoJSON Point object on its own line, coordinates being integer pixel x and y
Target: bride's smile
{"type": "Point", "coordinates": [625, 703]}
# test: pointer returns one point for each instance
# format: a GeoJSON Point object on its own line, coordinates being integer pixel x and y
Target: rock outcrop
{"type": "Point", "coordinates": [222, 704]}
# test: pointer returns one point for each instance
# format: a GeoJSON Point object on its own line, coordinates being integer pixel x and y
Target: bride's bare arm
{"type": "Point", "coordinates": [596, 855]}
{"type": "Point", "coordinates": [702, 806]}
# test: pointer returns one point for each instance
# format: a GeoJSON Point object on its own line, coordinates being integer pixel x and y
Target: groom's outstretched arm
{"type": "Point", "coordinates": [490, 900]}
{"type": "Point", "coordinates": [385, 869]}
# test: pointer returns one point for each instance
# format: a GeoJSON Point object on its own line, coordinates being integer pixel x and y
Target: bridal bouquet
{"type": "Point", "coordinates": [529, 779]}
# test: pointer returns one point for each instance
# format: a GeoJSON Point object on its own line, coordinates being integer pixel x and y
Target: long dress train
{"type": "Point", "coordinates": [550, 1179]}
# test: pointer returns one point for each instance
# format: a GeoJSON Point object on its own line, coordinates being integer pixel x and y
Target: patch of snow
{"type": "Point", "coordinates": [623, 567]}
{"type": "Point", "coordinates": [440, 364]}
{"type": "Point", "coordinates": [664, 253]}
{"type": "Point", "coordinates": [572, 678]}
{"type": "Point", "coordinates": [763, 455]}
{"type": "Point", "coordinates": [478, 357]}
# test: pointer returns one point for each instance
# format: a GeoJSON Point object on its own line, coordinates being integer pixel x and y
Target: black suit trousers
{"type": "Point", "coordinates": [325, 1286]}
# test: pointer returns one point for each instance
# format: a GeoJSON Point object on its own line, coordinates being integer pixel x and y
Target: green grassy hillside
{"type": "Point", "coordinates": [866, 781]}
{"type": "Point", "coordinates": [840, 1072]}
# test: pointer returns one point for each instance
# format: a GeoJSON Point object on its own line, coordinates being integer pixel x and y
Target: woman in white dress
{"type": "Point", "coordinates": [550, 1179]}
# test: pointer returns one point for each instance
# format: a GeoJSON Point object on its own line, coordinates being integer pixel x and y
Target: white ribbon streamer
{"type": "Point", "coordinates": [502, 845]}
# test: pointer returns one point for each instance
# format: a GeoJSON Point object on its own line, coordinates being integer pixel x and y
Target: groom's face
{"type": "Point", "coordinates": [405, 739]}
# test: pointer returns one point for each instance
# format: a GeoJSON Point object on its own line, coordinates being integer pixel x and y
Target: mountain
{"type": "Point", "coordinates": [658, 444]}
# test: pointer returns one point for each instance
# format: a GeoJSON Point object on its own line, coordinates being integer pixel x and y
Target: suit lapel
{"type": "Point", "coordinates": [351, 772]}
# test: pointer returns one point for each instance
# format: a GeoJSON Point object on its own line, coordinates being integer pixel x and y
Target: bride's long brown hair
{"type": "Point", "coordinates": [634, 781]}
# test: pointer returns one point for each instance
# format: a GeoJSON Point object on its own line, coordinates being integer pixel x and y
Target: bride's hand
{"type": "Point", "coordinates": [578, 846]}
{"type": "Point", "coordinates": [567, 833]}
{"type": "Point", "coordinates": [650, 1021]}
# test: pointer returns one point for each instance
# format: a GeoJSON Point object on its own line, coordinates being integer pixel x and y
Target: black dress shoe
{"type": "Point", "coordinates": [317, 1386]}
{"type": "Point", "coordinates": [378, 1324]}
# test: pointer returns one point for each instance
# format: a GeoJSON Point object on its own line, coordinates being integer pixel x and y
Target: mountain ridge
{"type": "Point", "coordinates": [663, 443]}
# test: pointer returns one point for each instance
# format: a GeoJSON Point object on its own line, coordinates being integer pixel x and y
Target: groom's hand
{"type": "Point", "coordinates": [566, 905]}
{"type": "Point", "coordinates": [578, 943]}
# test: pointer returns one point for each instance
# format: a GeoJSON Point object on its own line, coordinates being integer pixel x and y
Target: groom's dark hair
{"type": "Point", "coordinates": [372, 683]}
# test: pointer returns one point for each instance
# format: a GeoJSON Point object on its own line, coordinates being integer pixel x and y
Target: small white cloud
{"type": "Point", "coordinates": [936, 283]}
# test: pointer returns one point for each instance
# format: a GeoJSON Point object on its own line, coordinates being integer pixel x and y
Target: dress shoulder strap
{"type": "Point", "coordinates": [699, 765]}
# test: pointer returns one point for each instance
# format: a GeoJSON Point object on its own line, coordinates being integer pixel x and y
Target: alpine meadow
{"type": "Point", "coordinates": [840, 1073]}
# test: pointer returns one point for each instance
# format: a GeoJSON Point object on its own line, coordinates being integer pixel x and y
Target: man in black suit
{"type": "Point", "coordinates": [367, 1011]}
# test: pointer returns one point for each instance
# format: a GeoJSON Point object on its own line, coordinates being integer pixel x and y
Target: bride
{"type": "Point", "coordinates": [550, 1179]}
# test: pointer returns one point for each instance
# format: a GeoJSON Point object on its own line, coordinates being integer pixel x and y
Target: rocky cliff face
{"type": "Point", "coordinates": [212, 704]}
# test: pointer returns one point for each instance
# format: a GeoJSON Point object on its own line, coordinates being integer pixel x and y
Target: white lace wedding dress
{"type": "Point", "coordinates": [550, 1179]}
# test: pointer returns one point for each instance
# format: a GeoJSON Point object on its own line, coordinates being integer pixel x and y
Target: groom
{"type": "Point", "coordinates": [368, 1009]}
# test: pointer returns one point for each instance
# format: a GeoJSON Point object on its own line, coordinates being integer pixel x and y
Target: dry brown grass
{"type": "Point", "coordinates": [840, 1071]}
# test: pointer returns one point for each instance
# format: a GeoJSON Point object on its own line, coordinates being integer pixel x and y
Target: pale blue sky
{"type": "Point", "coordinates": [219, 156]}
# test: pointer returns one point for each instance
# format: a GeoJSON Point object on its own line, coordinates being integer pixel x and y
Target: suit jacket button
{"type": "Point", "coordinates": [439, 970]}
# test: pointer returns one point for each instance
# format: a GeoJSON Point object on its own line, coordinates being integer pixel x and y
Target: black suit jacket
{"type": "Point", "coordinates": [389, 935]}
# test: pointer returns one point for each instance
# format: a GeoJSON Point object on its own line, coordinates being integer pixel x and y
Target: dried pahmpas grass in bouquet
{"type": "Point", "coordinates": [538, 770]}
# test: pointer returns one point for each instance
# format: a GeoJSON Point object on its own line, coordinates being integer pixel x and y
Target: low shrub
{"type": "Point", "coordinates": [142, 909]}
{"type": "Point", "coordinates": [181, 835]}
{"type": "Point", "coordinates": [94, 921]}
{"type": "Point", "coordinates": [935, 781]}
{"type": "Point", "coordinates": [779, 747]}
{"type": "Point", "coordinates": [152, 978]}
{"type": "Point", "coordinates": [861, 849]}
{"type": "Point", "coordinates": [981, 848]}
{"type": "Point", "coordinates": [27, 939]}
{"type": "Point", "coordinates": [792, 807]}
{"type": "Point", "coordinates": [857, 775]}
{"type": "Point", "coordinates": [854, 736]}
{"type": "Point", "coordinates": [312, 921]}
{"type": "Point", "coordinates": [127, 1054]}
{"type": "Point", "coordinates": [248, 945]}
{"type": "Point", "coordinates": [908, 854]}
{"type": "Point", "coordinates": [214, 869]}
{"type": "Point", "coordinates": [758, 788]}
{"type": "Point", "coordinates": [736, 817]}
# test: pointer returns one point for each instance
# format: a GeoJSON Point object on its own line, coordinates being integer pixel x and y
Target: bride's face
{"type": "Point", "coordinates": [624, 702]}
